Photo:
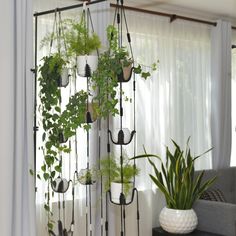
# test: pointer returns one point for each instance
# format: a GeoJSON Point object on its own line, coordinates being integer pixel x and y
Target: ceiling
{"type": "Point", "coordinates": [206, 9]}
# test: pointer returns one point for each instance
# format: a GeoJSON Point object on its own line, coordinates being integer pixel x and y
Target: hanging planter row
{"type": "Point", "coordinates": [77, 49]}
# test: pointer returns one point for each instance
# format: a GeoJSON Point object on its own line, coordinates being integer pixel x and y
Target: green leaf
{"type": "Point", "coordinates": [138, 69]}
{"type": "Point", "coordinates": [58, 109]}
{"type": "Point", "coordinates": [58, 168]}
{"type": "Point", "coordinates": [46, 207]}
{"type": "Point", "coordinates": [31, 172]}
{"type": "Point", "coordinates": [43, 137]}
{"type": "Point", "coordinates": [43, 168]}
{"type": "Point", "coordinates": [145, 75]}
{"type": "Point", "coordinates": [50, 225]}
{"type": "Point", "coordinates": [46, 176]}
{"type": "Point", "coordinates": [53, 173]}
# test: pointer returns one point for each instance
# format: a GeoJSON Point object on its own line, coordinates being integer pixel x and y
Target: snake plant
{"type": "Point", "coordinates": [176, 179]}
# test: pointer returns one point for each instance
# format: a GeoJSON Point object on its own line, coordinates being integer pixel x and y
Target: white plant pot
{"type": "Point", "coordinates": [178, 221]}
{"type": "Point", "coordinates": [91, 60]}
{"type": "Point", "coordinates": [64, 78]}
{"type": "Point", "coordinates": [116, 189]}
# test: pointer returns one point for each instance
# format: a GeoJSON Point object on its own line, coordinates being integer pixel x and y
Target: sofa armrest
{"type": "Point", "coordinates": [216, 217]}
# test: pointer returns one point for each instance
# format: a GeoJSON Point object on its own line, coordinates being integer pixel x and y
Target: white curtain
{"type": "Point", "coordinates": [17, 215]}
{"type": "Point", "coordinates": [221, 94]}
{"type": "Point", "coordinates": [174, 104]}
{"type": "Point", "coordinates": [233, 102]}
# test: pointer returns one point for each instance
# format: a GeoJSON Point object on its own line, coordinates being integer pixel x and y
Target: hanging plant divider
{"type": "Point", "coordinates": [86, 66]}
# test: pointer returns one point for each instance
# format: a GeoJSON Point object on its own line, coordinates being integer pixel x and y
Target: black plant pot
{"type": "Point", "coordinates": [126, 74]}
{"type": "Point", "coordinates": [91, 114]}
{"type": "Point", "coordinates": [60, 185]}
{"type": "Point", "coordinates": [62, 138]}
{"type": "Point", "coordinates": [122, 137]}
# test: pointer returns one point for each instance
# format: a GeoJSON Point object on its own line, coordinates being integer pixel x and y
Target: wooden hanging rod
{"type": "Point", "coordinates": [60, 9]}
{"type": "Point", "coordinates": [171, 16]}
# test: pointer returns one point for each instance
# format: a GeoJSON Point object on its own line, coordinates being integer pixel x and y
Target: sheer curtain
{"type": "Point", "coordinates": [233, 102]}
{"type": "Point", "coordinates": [17, 215]}
{"type": "Point", "coordinates": [221, 94]}
{"type": "Point", "coordinates": [175, 103]}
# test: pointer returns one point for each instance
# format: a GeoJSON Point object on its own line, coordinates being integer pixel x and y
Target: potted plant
{"type": "Point", "coordinates": [181, 188]}
{"type": "Point", "coordinates": [61, 54]}
{"type": "Point", "coordinates": [110, 170]}
{"type": "Point", "coordinates": [87, 176]}
{"type": "Point", "coordinates": [114, 66]}
{"type": "Point", "coordinates": [82, 44]}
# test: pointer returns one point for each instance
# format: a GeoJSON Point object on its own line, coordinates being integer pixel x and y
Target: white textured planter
{"type": "Point", "coordinates": [178, 221]}
{"type": "Point", "coordinates": [91, 60]}
{"type": "Point", "coordinates": [116, 189]}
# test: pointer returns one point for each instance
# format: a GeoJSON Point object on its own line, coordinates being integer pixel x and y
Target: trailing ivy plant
{"type": "Point", "coordinates": [54, 120]}
{"type": "Point", "coordinates": [110, 65]}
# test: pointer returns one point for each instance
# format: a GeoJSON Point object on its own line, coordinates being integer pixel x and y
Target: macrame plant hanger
{"type": "Point", "coordinates": [60, 185]}
{"type": "Point", "coordinates": [120, 19]}
{"type": "Point", "coordinates": [89, 179]}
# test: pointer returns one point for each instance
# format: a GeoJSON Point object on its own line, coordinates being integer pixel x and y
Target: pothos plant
{"type": "Point", "coordinates": [110, 65]}
{"type": "Point", "coordinates": [54, 120]}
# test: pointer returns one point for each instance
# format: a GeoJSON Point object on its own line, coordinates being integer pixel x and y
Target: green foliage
{"type": "Point", "coordinates": [110, 65]}
{"type": "Point", "coordinates": [50, 74]}
{"type": "Point", "coordinates": [74, 114]}
{"type": "Point", "coordinates": [176, 180]}
{"type": "Point", "coordinates": [31, 172]}
{"type": "Point", "coordinates": [88, 176]}
{"type": "Point", "coordinates": [111, 172]}
{"type": "Point", "coordinates": [79, 40]}
{"type": "Point", "coordinates": [54, 120]}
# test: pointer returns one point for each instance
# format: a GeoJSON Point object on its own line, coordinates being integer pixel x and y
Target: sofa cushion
{"type": "Point", "coordinates": [213, 195]}
{"type": "Point", "coordinates": [225, 181]}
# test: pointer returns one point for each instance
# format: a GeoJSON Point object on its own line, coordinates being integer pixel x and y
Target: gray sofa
{"type": "Point", "coordinates": [219, 217]}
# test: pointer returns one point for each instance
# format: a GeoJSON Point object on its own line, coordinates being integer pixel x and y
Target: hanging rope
{"type": "Point", "coordinates": [118, 18]}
